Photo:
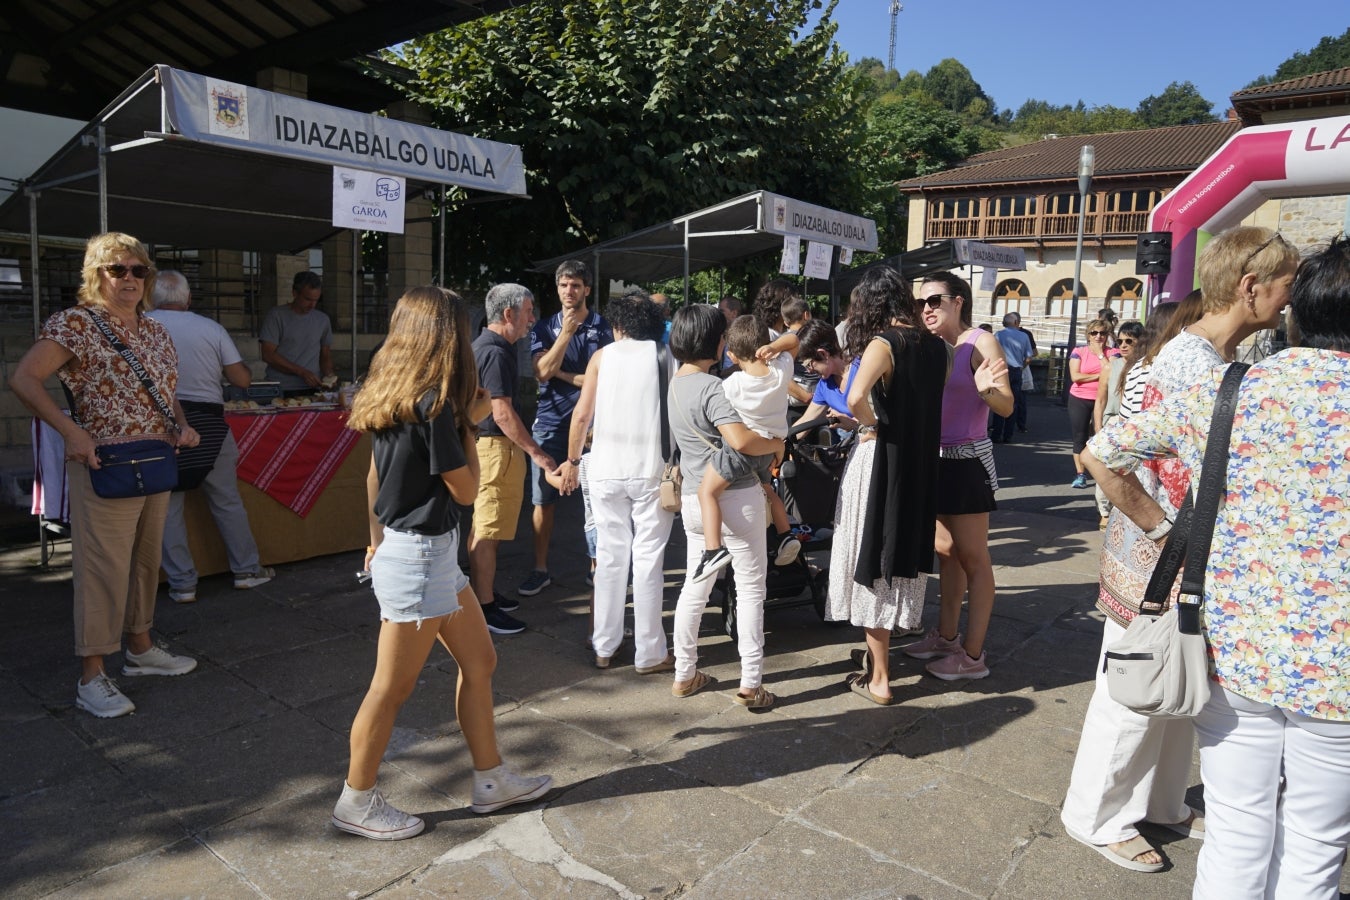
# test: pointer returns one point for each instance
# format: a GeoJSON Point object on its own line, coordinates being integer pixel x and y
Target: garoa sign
{"type": "Point", "coordinates": [368, 201]}
{"type": "Point", "coordinates": [247, 118]}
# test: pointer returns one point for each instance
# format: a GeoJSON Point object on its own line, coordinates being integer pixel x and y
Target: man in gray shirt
{"type": "Point", "coordinates": [297, 339]}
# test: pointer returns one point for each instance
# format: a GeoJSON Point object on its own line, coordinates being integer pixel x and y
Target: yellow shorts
{"type": "Point", "coordinates": [501, 488]}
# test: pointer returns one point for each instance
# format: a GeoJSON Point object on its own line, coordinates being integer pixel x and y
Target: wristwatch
{"type": "Point", "coordinates": [1160, 531]}
{"type": "Point", "coordinates": [575, 462]}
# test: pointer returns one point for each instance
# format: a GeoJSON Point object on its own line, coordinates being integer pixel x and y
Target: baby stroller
{"type": "Point", "coordinates": [808, 482]}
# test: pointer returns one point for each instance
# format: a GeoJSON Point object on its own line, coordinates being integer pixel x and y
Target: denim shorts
{"type": "Point", "coordinates": [417, 576]}
{"type": "Point", "coordinates": [554, 443]}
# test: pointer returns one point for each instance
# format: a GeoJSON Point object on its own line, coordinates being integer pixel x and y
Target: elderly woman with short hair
{"type": "Point", "coordinates": [115, 543]}
{"type": "Point", "coordinates": [1275, 733]}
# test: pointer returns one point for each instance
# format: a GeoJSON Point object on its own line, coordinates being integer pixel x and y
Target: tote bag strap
{"type": "Point", "coordinates": [1193, 531]}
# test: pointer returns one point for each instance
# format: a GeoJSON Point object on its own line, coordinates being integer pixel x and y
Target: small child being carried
{"type": "Point", "coordinates": [759, 394]}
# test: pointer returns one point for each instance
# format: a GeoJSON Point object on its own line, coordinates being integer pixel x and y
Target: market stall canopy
{"type": "Point", "coordinates": [193, 161]}
{"type": "Point", "coordinates": [940, 257]}
{"type": "Point", "coordinates": [62, 57]}
{"type": "Point", "coordinates": [744, 226]}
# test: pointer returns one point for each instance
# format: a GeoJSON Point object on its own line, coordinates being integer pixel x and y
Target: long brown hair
{"type": "Point", "coordinates": [427, 352]}
{"type": "Point", "coordinates": [881, 299]}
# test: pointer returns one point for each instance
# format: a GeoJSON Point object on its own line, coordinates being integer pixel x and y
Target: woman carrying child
{"type": "Point", "coordinates": [418, 403]}
{"type": "Point", "coordinates": [758, 392]}
{"type": "Point", "coordinates": [701, 419]}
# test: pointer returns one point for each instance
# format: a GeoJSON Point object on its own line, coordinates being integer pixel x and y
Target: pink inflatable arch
{"type": "Point", "coordinates": [1266, 162]}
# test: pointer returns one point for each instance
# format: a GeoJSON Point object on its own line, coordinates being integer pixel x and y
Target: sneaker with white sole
{"type": "Point", "coordinates": [958, 667]}
{"type": "Point", "coordinates": [787, 551]}
{"type": "Point", "coordinates": [505, 604]}
{"type": "Point", "coordinates": [536, 582]}
{"type": "Point", "coordinates": [253, 579]}
{"type": "Point", "coordinates": [368, 814]}
{"type": "Point", "coordinates": [500, 787]}
{"type": "Point", "coordinates": [713, 561]}
{"type": "Point", "coordinates": [499, 622]}
{"type": "Point", "coordinates": [187, 595]}
{"type": "Point", "coordinates": [157, 661]}
{"type": "Point", "coordinates": [101, 697]}
{"type": "Point", "coordinates": [932, 646]}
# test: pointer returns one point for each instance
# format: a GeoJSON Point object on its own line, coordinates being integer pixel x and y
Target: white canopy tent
{"type": "Point", "coordinates": [744, 226]}
{"type": "Point", "coordinates": [190, 161]}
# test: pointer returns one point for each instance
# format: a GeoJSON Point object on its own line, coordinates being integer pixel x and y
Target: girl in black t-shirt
{"type": "Point", "coordinates": [418, 403]}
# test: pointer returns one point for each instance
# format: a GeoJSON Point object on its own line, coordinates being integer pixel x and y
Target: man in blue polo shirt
{"type": "Point", "coordinates": [1016, 352]}
{"type": "Point", "coordinates": [561, 347]}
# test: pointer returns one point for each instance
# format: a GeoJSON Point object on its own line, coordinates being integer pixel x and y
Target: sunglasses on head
{"type": "Point", "coordinates": [934, 301]}
{"type": "Point", "coordinates": [1257, 252]}
{"type": "Point", "coordinates": [118, 270]}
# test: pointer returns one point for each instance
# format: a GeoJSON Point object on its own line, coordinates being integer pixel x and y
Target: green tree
{"type": "Point", "coordinates": [951, 84]}
{"type": "Point", "coordinates": [908, 137]}
{"type": "Point", "coordinates": [1330, 53]}
{"type": "Point", "coordinates": [1180, 103]}
{"type": "Point", "coordinates": [631, 113]}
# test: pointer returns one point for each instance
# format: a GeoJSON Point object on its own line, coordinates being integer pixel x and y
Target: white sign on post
{"type": "Point", "coordinates": [368, 201]}
{"type": "Point", "coordinates": [989, 280]}
{"type": "Point", "coordinates": [845, 256]}
{"type": "Point", "coordinates": [818, 259]}
{"type": "Point", "coordinates": [791, 261]}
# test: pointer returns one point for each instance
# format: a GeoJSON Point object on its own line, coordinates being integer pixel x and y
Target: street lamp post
{"type": "Point", "coordinates": [1085, 164]}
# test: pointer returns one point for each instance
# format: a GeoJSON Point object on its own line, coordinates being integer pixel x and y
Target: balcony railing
{"type": "Point", "coordinates": [1058, 225]}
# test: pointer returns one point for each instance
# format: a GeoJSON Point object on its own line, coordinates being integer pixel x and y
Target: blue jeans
{"type": "Point", "coordinates": [1003, 426]}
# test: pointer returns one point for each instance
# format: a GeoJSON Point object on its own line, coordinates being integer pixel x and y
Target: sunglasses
{"type": "Point", "coordinates": [120, 271]}
{"type": "Point", "coordinates": [1126, 342]}
{"type": "Point", "coordinates": [1098, 333]}
{"type": "Point", "coordinates": [1257, 252]}
{"type": "Point", "coordinates": [935, 300]}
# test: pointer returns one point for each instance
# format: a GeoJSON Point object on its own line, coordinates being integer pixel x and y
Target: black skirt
{"type": "Point", "coordinates": [963, 488]}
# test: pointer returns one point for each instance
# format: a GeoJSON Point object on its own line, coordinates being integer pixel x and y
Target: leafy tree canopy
{"type": "Point", "coordinates": [1178, 104]}
{"type": "Point", "coordinates": [631, 113]}
{"type": "Point", "coordinates": [1330, 53]}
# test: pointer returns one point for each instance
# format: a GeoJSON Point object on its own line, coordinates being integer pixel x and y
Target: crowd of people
{"type": "Point", "coordinates": [924, 396]}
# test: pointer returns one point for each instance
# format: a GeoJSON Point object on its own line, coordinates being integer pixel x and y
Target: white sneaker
{"type": "Point", "coordinates": [101, 697]}
{"type": "Point", "coordinates": [254, 579]}
{"type": "Point", "coordinates": [188, 595]}
{"type": "Point", "coordinates": [500, 787]}
{"type": "Point", "coordinates": [157, 661]}
{"type": "Point", "coordinates": [366, 813]}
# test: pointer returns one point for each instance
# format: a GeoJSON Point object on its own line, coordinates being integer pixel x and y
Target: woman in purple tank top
{"type": "Point", "coordinates": [966, 479]}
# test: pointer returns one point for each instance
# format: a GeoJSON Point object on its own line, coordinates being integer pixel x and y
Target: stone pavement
{"type": "Point", "coordinates": [221, 784]}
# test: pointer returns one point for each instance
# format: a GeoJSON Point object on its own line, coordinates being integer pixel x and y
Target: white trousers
{"type": "Point", "coordinates": [1264, 840]}
{"type": "Point", "coordinates": [743, 523]}
{"type": "Point", "coordinates": [227, 509]}
{"type": "Point", "coordinates": [1128, 768]}
{"type": "Point", "coordinates": [631, 527]}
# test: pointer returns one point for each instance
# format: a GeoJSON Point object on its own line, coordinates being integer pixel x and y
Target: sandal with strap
{"type": "Point", "coordinates": [760, 699]}
{"type": "Point", "coordinates": [1126, 855]}
{"type": "Point", "coordinates": [696, 684]}
{"type": "Point", "coordinates": [862, 659]}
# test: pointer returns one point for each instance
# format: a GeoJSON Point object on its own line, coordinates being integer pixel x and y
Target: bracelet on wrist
{"type": "Point", "coordinates": [867, 429]}
{"type": "Point", "coordinates": [1159, 531]}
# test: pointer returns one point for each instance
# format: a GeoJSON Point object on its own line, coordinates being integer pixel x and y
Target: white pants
{"type": "Point", "coordinates": [631, 527]}
{"type": "Point", "coordinates": [1128, 768]}
{"type": "Point", "coordinates": [743, 523]}
{"type": "Point", "coordinates": [227, 509]}
{"type": "Point", "coordinates": [1264, 840]}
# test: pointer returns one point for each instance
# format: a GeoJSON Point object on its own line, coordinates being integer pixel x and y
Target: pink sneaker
{"type": "Point", "coordinates": [932, 646]}
{"type": "Point", "coordinates": [958, 666]}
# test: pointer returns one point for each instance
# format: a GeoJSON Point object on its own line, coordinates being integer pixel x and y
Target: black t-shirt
{"type": "Point", "coordinates": [409, 459]}
{"type": "Point", "coordinates": [498, 373]}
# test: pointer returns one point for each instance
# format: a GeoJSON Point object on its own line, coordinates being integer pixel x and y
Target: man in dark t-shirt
{"type": "Point", "coordinates": [561, 347]}
{"type": "Point", "coordinates": [503, 443]}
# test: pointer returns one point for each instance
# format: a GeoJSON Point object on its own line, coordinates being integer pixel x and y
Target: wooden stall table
{"type": "Point", "coordinates": [302, 477]}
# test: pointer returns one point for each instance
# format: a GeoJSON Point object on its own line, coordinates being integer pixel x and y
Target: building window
{"type": "Point", "coordinates": [953, 209]}
{"type": "Point", "coordinates": [1125, 289]}
{"type": "Point", "coordinates": [1060, 296]}
{"type": "Point", "coordinates": [1009, 295]}
{"type": "Point", "coordinates": [1127, 211]}
{"type": "Point", "coordinates": [1004, 207]}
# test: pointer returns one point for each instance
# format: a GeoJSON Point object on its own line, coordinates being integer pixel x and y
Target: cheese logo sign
{"type": "Point", "coordinates": [367, 201]}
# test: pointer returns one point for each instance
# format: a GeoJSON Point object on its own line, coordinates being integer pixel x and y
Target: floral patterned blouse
{"type": "Point", "coordinates": [110, 400]}
{"type": "Point", "coordinates": [1277, 587]}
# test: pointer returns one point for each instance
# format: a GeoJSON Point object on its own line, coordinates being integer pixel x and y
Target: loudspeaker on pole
{"type": "Point", "coordinates": [1153, 253]}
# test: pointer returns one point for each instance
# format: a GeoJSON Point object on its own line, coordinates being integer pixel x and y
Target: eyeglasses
{"type": "Point", "coordinates": [1098, 333]}
{"type": "Point", "coordinates": [118, 270]}
{"type": "Point", "coordinates": [935, 300]}
{"type": "Point", "coordinates": [1257, 252]}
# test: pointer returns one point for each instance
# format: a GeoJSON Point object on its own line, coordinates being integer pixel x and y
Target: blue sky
{"type": "Point", "coordinates": [1102, 53]}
